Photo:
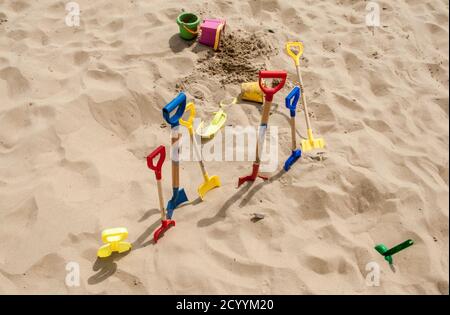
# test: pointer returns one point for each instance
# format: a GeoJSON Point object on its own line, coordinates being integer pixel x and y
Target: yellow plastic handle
{"type": "Point", "coordinates": [296, 57]}
{"type": "Point", "coordinates": [217, 39]}
{"type": "Point", "coordinates": [190, 31]}
{"type": "Point", "coordinates": [114, 235]}
{"type": "Point", "coordinates": [189, 122]}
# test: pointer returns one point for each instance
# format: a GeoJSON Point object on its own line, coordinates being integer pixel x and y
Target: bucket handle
{"type": "Point", "coordinates": [220, 29]}
{"type": "Point", "coordinates": [191, 31]}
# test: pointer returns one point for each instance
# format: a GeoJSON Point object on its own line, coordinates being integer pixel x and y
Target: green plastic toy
{"type": "Point", "coordinates": [189, 24]}
{"type": "Point", "coordinates": [387, 253]}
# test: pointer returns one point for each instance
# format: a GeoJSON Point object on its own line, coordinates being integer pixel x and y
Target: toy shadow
{"type": "Point", "coordinates": [148, 214]}
{"type": "Point", "coordinates": [259, 106]}
{"type": "Point", "coordinates": [220, 215]}
{"type": "Point", "coordinates": [258, 187]}
{"type": "Point", "coordinates": [142, 241]}
{"type": "Point", "coordinates": [106, 267]}
{"type": "Point", "coordinates": [276, 109]}
{"type": "Point", "coordinates": [177, 44]}
{"type": "Point", "coordinates": [288, 120]}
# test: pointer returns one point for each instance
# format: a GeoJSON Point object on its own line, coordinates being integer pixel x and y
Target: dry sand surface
{"type": "Point", "coordinates": [80, 109]}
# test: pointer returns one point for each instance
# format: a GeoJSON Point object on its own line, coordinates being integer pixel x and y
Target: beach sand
{"type": "Point", "coordinates": [80, 109]}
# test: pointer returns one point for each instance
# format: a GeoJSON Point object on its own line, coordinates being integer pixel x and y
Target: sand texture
{"type": "Point", "coordinates": [80, 109]}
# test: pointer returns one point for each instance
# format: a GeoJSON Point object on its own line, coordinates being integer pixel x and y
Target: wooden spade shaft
{"type": "Point", "coordinates": [200, 162]}
{"type": "Point", "coordinates": [175, 162]}
{"type": "Point", "coordinates": [305, 105]}
{"type": "Point", "coordinates": [293, 134]}
{"type": "Point", "coordinates": [161, 200]}
{"type": "Point", "coordinates": [263, 124]}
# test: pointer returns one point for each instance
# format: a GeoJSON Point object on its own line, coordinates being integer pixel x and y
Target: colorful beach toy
{"type": "Point", "coordinates": [310, 143]}
{"type": "Point", "coordinates": [214, 126]}
{"type": "Point", "coordinates": [211, 32]}
{"type": "Point", "coordinates": [387, 253]}
{"type": "Point", "coordinates": [178, 105]}
{"type": "Point", "coordinates": [250, 91]}
{"type": "Point", "coordinates": [218, 121]}
{"type": "Point", "coordinates": [188, 24]}
{"type": "Point", "coordinates": [269, 93]}
{"type": "Point", "coordinates": [165, 223]}
{"type": "Point", "coordinates": [114, 240]}
{"type": "Point", "coordinates": [291, 103]}
{"type": "Point", "coordinates": [209, 182]}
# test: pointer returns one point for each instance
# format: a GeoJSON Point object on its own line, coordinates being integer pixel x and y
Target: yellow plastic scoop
{"type": "Point", "coordinates": [214, 126]}
{"type": "Point", "coordinates": [114, 242]}
{"type": "Point", "coordinates": [217, 122]}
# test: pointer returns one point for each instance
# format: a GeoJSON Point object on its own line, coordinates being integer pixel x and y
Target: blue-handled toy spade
{"type": "Point", "coordinates": [387, 253]}
{"type": "Point", "coordinates": [179, 195]}
{"type": "Point", "coordinates": [291, 104]}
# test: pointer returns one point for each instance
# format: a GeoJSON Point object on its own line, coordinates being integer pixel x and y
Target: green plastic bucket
{"type": "Point", "coordinates": [188, 23]}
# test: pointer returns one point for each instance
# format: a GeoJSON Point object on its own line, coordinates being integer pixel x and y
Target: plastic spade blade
{"type": "Point", "coordinates": [209, 183]}
{"type": "Point", "coordinates": [178, 197]}
{"type": "Point", "coordinates": [295, 155]}
{"type": "Point", "coordinates": [252, 176]}
{"type": "Point", "coordinates": [165, 225]}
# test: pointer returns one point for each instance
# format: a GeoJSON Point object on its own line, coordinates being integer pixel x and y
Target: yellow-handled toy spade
{"type": "Point", "coordinates": [310, 143]}
{"type": "Point", "coordinates": [209, 182]}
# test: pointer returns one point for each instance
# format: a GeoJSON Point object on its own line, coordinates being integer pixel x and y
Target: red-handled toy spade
{"type": "Point", "coordinates": [268, 97]}
{"type": "Point", "coordinates": [165, 223]}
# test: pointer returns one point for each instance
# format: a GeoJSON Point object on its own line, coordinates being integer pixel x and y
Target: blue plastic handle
{"type": "Point", "coordinates": [178, 103]}
{"type": "Point", "coordinates": [292, 100]}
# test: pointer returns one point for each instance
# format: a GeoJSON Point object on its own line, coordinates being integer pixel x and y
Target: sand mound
{"type": "Point", "coordinates": [241, 56]}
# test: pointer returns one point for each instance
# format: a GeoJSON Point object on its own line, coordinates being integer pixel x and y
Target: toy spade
{"type": "Point", "coordinates": [209, 182]}
{"type": "Point", "coordinates": [165, 223]}
{"type": "Point", "coordinates": [387, 253]}
{"type": "Point", "coordinates": [218, 121]}
{"type": "Point", "coordinates": [178, 104]}
{"type": "Point", "coordinates": [268, 93]}
{"type": "Point", "coordinates": [310, 143]}
{"type": "Point", "coordinates": [114, 242]}
{"type": "Point", "coordinates": [291, 104]}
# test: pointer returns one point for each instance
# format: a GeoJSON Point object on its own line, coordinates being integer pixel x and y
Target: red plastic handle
{"type": "Point", "coordinates": [270, 92]}
{"type": "Point", "coordinates": [161, 151]}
